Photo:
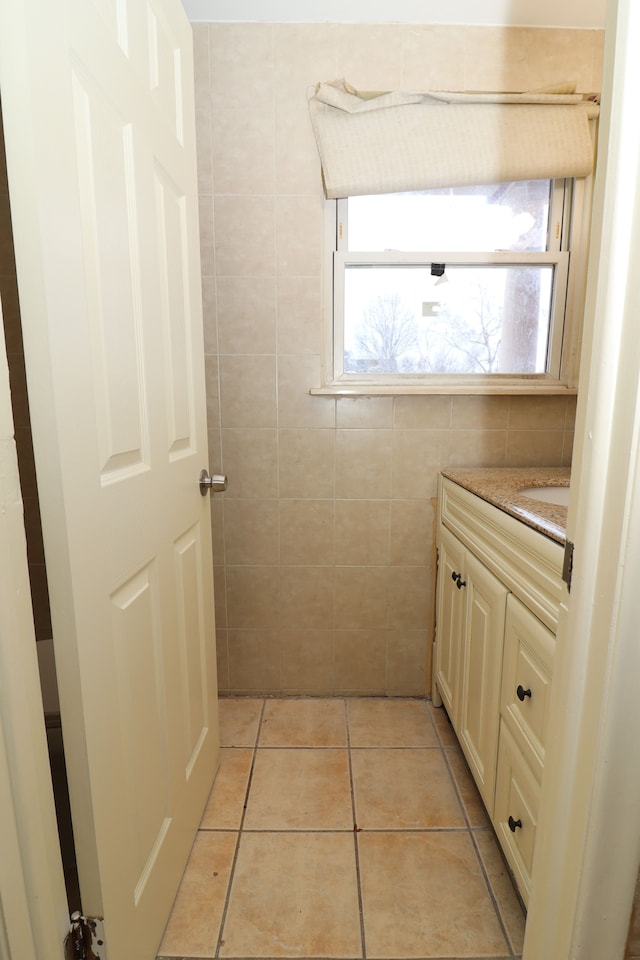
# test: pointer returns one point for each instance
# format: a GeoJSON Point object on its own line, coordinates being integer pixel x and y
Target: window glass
{"type": "Point", "coordinates": [503, 216]}
{"type": "Point", "coordinates": [468, 320]}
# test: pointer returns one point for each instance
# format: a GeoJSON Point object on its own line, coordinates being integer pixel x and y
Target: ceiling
{"type": "Point", "coordinates": [584, 14]}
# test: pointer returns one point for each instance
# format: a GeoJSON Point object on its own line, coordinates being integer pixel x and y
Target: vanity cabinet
{"type": "Point", "coordinates": [499, 588]}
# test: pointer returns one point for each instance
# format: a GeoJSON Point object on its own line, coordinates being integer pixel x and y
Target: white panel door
{"type": "Point", "coordinates": [97, 98]}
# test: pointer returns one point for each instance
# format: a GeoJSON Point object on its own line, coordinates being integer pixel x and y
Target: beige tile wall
{"type": "Point", "coordinates": [323, 542]}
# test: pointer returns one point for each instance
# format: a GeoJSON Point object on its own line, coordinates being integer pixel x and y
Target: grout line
{"type": "Point", "coordinates": [355, 835]}
{"type": "Point", "coordinates": [494, 899]}
{"type": "Point", "coordinates": [476, 848]}
{"type": "Point", "coordinates": [225, 910]}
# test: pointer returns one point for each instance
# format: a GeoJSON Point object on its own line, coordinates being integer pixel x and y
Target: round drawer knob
{"type": "Point", "coordinates": [522, 693]}
{"type": "Point", "coordinates": [514, 824]}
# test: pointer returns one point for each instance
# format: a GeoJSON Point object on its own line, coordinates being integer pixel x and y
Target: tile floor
{"type": "Point", "coordinates": [343, 828]}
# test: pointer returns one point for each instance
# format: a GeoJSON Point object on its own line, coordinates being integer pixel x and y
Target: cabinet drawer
{"type": "Point", "coordinates": [526, 680]}
{"type": "Point", "coordinates": [516, 809]}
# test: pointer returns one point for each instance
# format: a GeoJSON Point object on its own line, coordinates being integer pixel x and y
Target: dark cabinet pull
{"type": "Point", "coordinates": [514, 824]}
{"type": "Point", "coordinates": [454, 576]}
{"type": "Point", "coordinates": [522, 693]}
{"type": "Point", "coordinates": [457, 579]}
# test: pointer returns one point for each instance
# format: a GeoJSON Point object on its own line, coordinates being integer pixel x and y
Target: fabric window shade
{"type": "Point", "coordinates": [395, 142]}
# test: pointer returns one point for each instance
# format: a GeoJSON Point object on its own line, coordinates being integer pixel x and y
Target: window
{"type": "Point", "coordinates": [460, 289]}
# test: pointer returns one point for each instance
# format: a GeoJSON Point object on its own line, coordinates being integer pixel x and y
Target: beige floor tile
{"type": "Point", "coordinates": [424, 895]}
{"type": "Point", "coordinates": [239, 720]}
{"type": "Point", "coordinates": [471, 799]}
{"type": "Point", "coordinates": [194, 924]}
{"type": "Point", "coordinates": [303, 723]}
{"type": "Point", "coordinates": [443, 725]}
{"type": "Point", "coordinates": [300, 789]}
{"type": "Point", "coordinates": [511, 911]}
{"type": "Point", "coordinates": [226, 800]}
{"type": "Point", "coordinates": [390, 723]}
{"type": "Point", "coordinates": [293, 895]}
{"type": "Point", "coordinates": [404, 789]}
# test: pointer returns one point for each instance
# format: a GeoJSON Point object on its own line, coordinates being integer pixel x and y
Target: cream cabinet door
{"type": "Point", "coordinates": [97, 98]}
{"type": "Point", "coordinates": [450, 607]}
{"type": "Point", "coordinates": [481, 668]}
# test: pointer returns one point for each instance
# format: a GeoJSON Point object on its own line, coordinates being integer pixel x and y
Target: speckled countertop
{"type": "Point", "coordinates": [501, 485]}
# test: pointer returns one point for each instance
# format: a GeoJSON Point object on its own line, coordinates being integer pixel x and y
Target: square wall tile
{"type": "Point", "coordinates": [410, 597]}
{"type": "Point", "coordinates": [306, 596]}
{"type": "Point", "coordinates": [240, 301]}
{"type": "Point", "coordinates": [433, 57]}
{"type": "Point", "coordinates": [296, 407]}
{"type": "Point", "coordinates": [306, 531]}
{"type": "Point", "coordinates": [254, 660]}
{"type": "Point", "coordinates": [251, 532]}
{"type": "Point", "coordinates": [363, 464]}
{"type": "Point", "coordinates": [299, 316]}
{"type": "Point", "coordinates": [222, 660]}
{"type": "Point", "coordinates": [417, 458]}
{"type": "Point", "coordinates": [534, 413]}
{"type": "Point", "coordinates": [243, 151]}
{"type": "Point", "coordinates": [371, 55]}
{"type": "Point", "coordinates": [299, 236]}
{"type": "Point", "coordinates": [242, 75]}
{"type": "Point", "coordinates": [425, 413]}
{"type": "Point", "coordinates": [307, 463]}
{"type": "Point", "coordinates": [250, 462]}
{"type": "Point", "coordinates": [362, 532]}
{"type": "Point", "coordinates": [248, 391]}
{"type": "Point", "coordinates": [534, 448]}
{"type": "Point", "coordinates": [361, 597]}
{"type": "Point", "coordinates": [478, 448]}
{"type": "Point", "coordinates": [307, 661]}
{"type": "Point", "coordinates": [360, 661]}
{"type": "Point", "coordinates": [480, 413]}
{"type": "Point", "coordinates": [245, 243]}
{"type": "Point", "coordinates": [253, 596]}
{"type": "Point", "coordinates": [412, 534]}
{"type": "Point", "coordinates": [409, 662]}
{"type": "Point", "coordinates": [364, 413]}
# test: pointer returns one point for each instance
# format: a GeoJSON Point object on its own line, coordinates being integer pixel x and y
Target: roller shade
{"type": "Point", "coordinates": [396, 142]}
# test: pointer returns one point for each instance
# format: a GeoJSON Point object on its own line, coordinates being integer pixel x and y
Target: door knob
{"type": "Point", "coordinates": [214, 483]}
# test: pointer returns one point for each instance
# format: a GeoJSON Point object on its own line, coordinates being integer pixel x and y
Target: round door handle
{"type": "Point", "coordinates": [214, 483]}
{"type": "Point", "coordinates": [514, 824]}
{"type": "Point", "coordinates": [522, 693]}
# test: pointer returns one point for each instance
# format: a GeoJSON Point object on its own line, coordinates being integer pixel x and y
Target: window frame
{"type": "Point", "coordinates": [568, 234]}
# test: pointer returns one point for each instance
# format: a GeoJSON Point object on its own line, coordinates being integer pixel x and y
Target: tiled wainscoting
{"type": "Point", "coordinates": [343, 828]}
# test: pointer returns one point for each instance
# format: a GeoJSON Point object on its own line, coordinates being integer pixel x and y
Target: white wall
{"type": "Point", "coordinates": [584, 14]}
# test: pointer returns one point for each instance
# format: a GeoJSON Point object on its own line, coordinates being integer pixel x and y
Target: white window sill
{"type": "Point", "coordinates": [445, 386]}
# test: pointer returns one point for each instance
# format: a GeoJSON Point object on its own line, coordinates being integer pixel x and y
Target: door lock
{"type": "Point", "coordinates": [212, 483]}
